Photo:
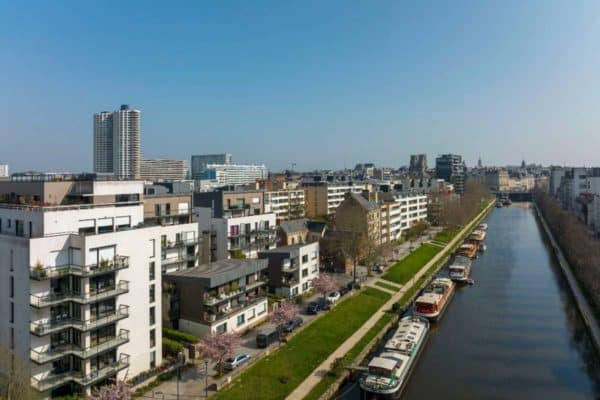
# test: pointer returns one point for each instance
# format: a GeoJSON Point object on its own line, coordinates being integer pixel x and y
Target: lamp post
{"type": "Point", "coordinates": [205, 378]}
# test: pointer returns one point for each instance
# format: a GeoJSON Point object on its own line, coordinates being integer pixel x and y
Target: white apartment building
{"type": "Point", "coordinates": [400, 214]}
{"type": "Point", "coordinates": [286, 204]}
{"type": "Point", "coordinates": [234, 233]}
{"type": "Point", "coordinates": [3, 170]}
{"type": "Point", "coordinates": [235, 174]}
{"type": "Point", "coordinates": [292, 268]}
{"type": "Point", "coordinates": [117, 143]}
{"type": "Point", "coordinates": [156, 170]}
{"type": "Point", "coordinates": [84, 278]}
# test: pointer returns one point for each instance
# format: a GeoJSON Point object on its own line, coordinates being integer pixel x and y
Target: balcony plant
{"type": "Point", "coordinates": [39, 269]}
{"type": "Point", "coordinates": [104, 264]}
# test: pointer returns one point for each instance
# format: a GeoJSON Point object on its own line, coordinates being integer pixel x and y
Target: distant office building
{"type": "Point", "coordinates": [3, 170]}
{"type": "Point", "coordinates": [163, 170]}
{"type": "Point", "coordinates": [235, 174]}
{"type": "Point", "coordinates": [117, 143]}
{"type": "Point", "coordinates": [199, 163]}
{"type": "Point", "coordinates": [451, 168]}
{"type": "Point", "coordinates": [418, 164]}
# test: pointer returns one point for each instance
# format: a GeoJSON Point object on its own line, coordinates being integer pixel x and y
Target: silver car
{"type": "Point", "coordinates": [232, 363]}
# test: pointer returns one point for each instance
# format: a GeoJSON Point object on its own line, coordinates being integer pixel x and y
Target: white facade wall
{"type": "Point", "coordinates": [307, 271]}
{"type": "Point", "coordinates": [3, 170]}
{"type": "Point", "coordinates": [236, 174]}
{"type": "Point", "coordinates": [337, 193]}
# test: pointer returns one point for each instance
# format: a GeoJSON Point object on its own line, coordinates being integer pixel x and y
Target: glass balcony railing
{"type": "Point", "coordinates": [41, 357]}
{"type": "Point", "coordinates": [41, 273]}
{"type": "Point", "coordinates": [42, 328]}
{"type": "Point", "coordinates": [46, 300]}
{"type": "Point", "coordinates": [52, 381]}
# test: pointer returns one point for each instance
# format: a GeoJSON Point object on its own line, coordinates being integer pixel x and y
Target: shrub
{"type": "Point", "coordinates": [178, 336]}
{"type": "Point", "coordinates": [171, 347]}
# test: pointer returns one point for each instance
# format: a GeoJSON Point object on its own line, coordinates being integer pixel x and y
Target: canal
{"type": "Point", "coordinates": [516, 333]}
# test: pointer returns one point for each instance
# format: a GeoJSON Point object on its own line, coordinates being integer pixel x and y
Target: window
{"type": "Point", "coordinates": [222, 328]}
{"type": "Point", "coordinates": [153, 247]}
{"type": "Point", "coordinates": [152, 337]}
{"type": "Point", "coordinates": [12, 338]}
{"type": "Point", "coordinates": [152, 316]}
{"type": "Point", "coordinates": [152, 271]}
{"type": "Point", "coordinates": [12, 260]}
{"type": "Point", "coordinates": [305, 258]}
{"type": "Point", "coordinates": [152, 293]}
{"type": "Point", "coordinates": [295, 291]}
{"type": "Point", "coordinates": [9, 222]}
{"type": "Point", "coordinates": [241, 319]}
{"type": "Point", "coordinates": [12, 287]}
{"type": "Point", "coordinates": [305, 286]}
{"type": "Point", "coordinates": [12, 312]}
{"type": "Point", "coordinates": [30, 229]}
{"type": "Point", "coordinates": [305, 272]}
{"type": "Point", "coordinates": [152, 359]}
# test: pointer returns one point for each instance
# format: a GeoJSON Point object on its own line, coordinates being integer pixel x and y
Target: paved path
{"type": "Point", "coordinates": [313, 379]}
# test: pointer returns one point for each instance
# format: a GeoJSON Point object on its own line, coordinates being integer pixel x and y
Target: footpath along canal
{"type": "Point", "coordinates": [515, 334]}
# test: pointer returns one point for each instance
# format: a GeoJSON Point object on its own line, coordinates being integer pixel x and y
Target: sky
{"type": "Point", "coordinates": [321, 84]}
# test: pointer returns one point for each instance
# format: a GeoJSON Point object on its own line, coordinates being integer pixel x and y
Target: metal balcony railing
{"type": "Point", "coordinates": [47, 300]}
{"type": "Point", "coordinates": [41, 357]}
{"type": "Point", "coordinates": [41, 273]}
{"type": "Point", "coordinates": [41, 328]}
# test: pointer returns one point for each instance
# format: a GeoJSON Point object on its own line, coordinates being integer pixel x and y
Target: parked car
{"type": "Point", "coordinates": [313, 307]}
{"type": "Point", "coordinates": [265, 338]}
{"type": "Point", "coordinates": [377, 268]}
{"type": "Point", "coordinates": [293, 324]}
{"type": "Point", "coordinates": [232, 363]}
{"type": "Point", "coordinates": [333, 297]}
{"type": "Point", "coordinates": [323, 303]}
{"type": "Point", "coordinates": [343, 290]}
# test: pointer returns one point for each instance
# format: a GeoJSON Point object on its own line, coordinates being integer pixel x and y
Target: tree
{"type": "Point", "coordinates": [15, 377]}
{"type": "Point", "coordinates": [118, 391]}
{"type": "Point", "coordinates": [238, 254]}
{"type": "Point", "coordinates": [217, 347]}
{"type": "Point", "coordinates": [324, 283]}
{"type": "Point", "coordinates": [353, 238]}
{"type": "Point", "coordinates": [285, 312]}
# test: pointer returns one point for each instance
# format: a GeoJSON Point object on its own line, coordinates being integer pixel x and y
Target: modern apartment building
{"type": "Point", "coordinates": [117, 143]}
{"type": "Point", "coordinates": [82, 266]}
{"type": "Point", "coordinates": [3, 170]}
{"type": "Point", "coordinates": [199, 163]}
{"type": "Point", "coordinates": [292, 268]}
{"type": "Point", "coordinates": [286, 204]}
{"type": "Point", "coordinates": [223, 296]}
{"type": "Point", "coordinates": [156, 170]}
{"type": "Point", "coordinates": [323, 198]}
{"type": "Point", "coordinates": [451, 168]}
{"type": "Point", "coordinates": [235, 174]}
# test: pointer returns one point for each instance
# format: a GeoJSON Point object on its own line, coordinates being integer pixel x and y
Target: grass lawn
{"type": "Point", "coordinates": [404, 270]}
{"type": "Point", "coordinates": [332, 376]}
{"type": "Point", "coordinates": [387, 286]}
{"type": "Point", "coordinates": [305, 351]}
{"type": "Point", "coordinates": [446, 235]}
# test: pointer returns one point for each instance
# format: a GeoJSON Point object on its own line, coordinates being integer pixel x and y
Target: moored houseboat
{"type": "Point", "coordinates": [389, 371]}
{"type": "Point", "coordinates": [467, 250]}
{"type": "Point", "coordinates": [435, 299]}
{"type": "Point", "coordinates": [460, 269]}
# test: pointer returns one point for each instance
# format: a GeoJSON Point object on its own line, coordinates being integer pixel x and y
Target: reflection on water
{"type": "Point", "coordinates": [515, 334]}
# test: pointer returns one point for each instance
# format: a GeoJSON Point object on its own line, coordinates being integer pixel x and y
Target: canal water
{"type": "Point", "coordinates": [515, 334]}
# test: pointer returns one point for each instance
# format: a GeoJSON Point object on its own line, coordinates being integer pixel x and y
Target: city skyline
{"type": "Point", "coordinates": [402, 79]}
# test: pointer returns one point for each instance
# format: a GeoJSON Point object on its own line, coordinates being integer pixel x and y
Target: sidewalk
{"type": "Point", "coordinates": [313, 379]}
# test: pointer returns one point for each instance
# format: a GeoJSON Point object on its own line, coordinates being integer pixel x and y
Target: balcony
{"type": "Point", "coordinates": [212, 300]}
{"type": "Point", "coordinates": [41, 301]}
{"type": "Point", "coordinates": [57, 324]}
{"type": "Point", "coordinates": [40, 273]}
{"type": "Point", "coordinates": [179, 259]}
{"type": "Point", "coordinates": [55, 380]}
{"type": "Point", "coordinates": [214, 317]}
{"type": "Point", "coordinates": [180, 243]}
{"type": "Point", "coordinates": [72, 349]}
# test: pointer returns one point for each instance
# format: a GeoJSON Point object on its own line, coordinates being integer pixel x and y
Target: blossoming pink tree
{"type": "Point", "coordinates": [324, 283]}
{"type": "Point", "coordinates": [284, 313]}
{"type": "Point", "coordinates": [118, 391]}
{"type": "Point", "coordinates": [217, 347]}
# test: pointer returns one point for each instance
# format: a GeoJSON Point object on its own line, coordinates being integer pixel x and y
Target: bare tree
{"type": "Point", "coordinates": [118, 391]}
{"type": "Point", "coordinates": [15, 377]}
{"type": "Point", "coordinates": [218, 347]}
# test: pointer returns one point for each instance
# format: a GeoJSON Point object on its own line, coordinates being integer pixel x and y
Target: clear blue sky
{"type": "Point", "coordinates": [322, 84]}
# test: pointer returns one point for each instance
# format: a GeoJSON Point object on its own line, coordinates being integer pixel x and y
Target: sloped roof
{"type": "Point", "coordinates": [294, 225]}
{"type": "Point", "coordinates": [364, 203]}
